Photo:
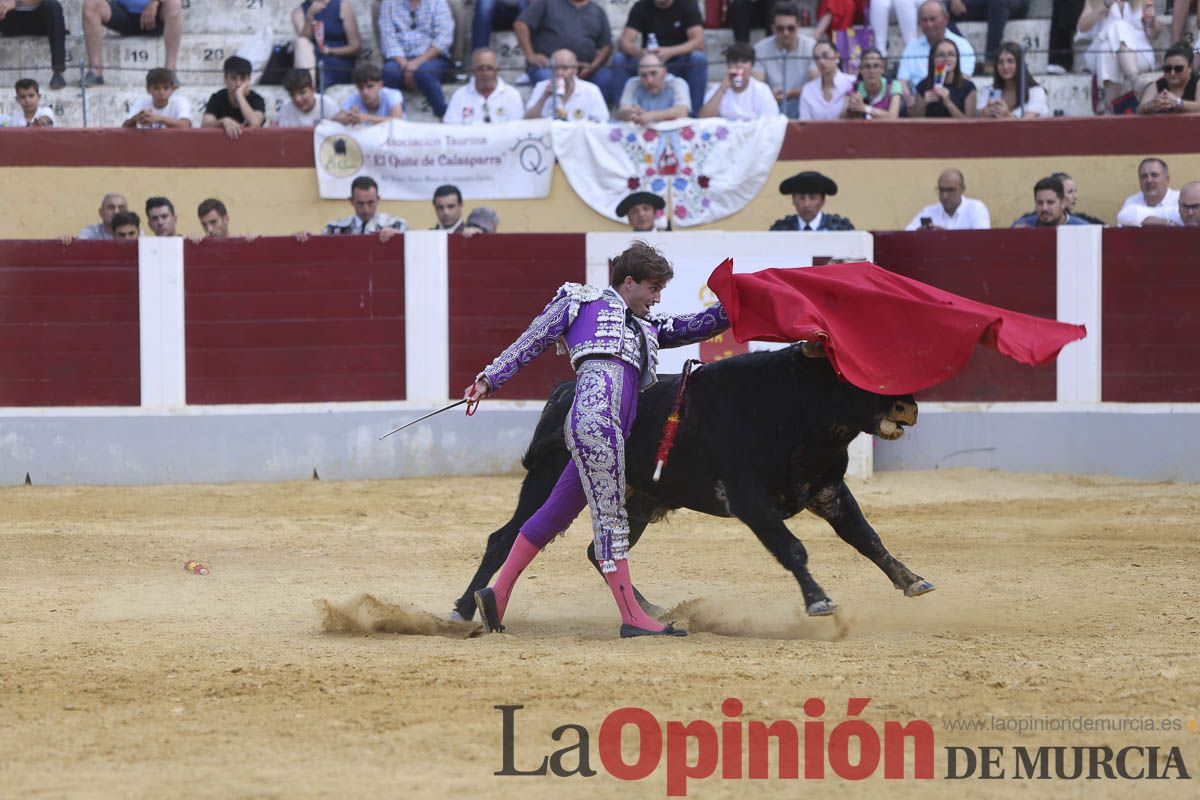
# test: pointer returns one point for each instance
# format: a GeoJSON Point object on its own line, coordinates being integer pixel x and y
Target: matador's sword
{"type": "Point", "coordinates": [470, 410]}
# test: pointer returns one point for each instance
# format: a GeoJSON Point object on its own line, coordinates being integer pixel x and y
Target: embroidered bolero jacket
{"type": "Point", "coordinates": [585, 321]}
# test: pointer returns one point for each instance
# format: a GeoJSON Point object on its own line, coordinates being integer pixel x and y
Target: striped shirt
{"type": "Point", "coordinates": [408, 32]}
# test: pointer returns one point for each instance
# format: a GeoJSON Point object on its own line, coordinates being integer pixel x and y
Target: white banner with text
{"type": "Point", "coordinates": [409, 160]}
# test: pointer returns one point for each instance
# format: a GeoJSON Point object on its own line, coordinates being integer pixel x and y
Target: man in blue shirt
{"type": "Point", "coordinates": [1050, 208]}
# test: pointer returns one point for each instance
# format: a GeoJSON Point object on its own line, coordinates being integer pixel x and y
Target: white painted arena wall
{"type": "Point", "coordinates": [166, 440]}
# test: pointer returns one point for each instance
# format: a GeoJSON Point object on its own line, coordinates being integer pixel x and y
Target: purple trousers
{"type": "Point", "coordinates": [601, 417]}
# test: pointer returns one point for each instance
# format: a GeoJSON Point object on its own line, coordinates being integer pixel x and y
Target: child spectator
{"type": "Point", "coordinates": [740, 96]}
{"type": "Point", "coordinates": [237, 105]}
{"type": "Point", "coordinates": [33, 113]}
{"type": "Point", "coordinates": [374, 102]}
{"type": "Point", "coordinates": [306, 108]}
{"type": "Point", "coordinates": [160, 108]}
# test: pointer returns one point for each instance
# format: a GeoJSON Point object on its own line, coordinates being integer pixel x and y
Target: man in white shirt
{"type": "Point", "coordinates": [740, 96]}
{"type": "Point", "coordinates": [487, 98]}
{"type": "Point", "coordinates": [952, 211]}
{"type": "Point", "coordinates": [1156, 202]}
{"type": "Point", "coordinates": [914, 61]}
{"type": "Point", "coordinates": [566, 96]}
{"type": "Point", "coordinates": [306, 107]}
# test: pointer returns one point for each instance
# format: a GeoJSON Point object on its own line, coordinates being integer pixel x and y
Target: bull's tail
{"type": "Point", "coordinates": [548, 435]}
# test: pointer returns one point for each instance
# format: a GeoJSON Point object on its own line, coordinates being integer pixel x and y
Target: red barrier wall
{"type": "Point", "coordinates": [1013, 269]}
{"type": "Point", "coordinates": [498, 283]}
{"type": "Point", "coordinates": [69, 324]}
{"type": "Point", "coordinates": [278, 321]}
{"type": "Point", "coordinates": [1151, 316]}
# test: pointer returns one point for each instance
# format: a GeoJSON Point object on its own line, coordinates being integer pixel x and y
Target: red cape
{"type": "Point", "coordinates": [884, 333]}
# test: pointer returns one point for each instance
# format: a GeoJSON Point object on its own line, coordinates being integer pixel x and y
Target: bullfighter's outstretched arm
{"type": "Point", "coordinates": [543, 332]}
{"type": "Point", "coordinates": [681, 329]}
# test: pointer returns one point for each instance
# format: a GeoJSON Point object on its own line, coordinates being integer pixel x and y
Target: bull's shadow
{"type": "Point", "coordinates": [764, 436]}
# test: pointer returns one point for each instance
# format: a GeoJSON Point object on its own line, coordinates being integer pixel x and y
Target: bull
{"type": "Point", "coordinates": [764, 436]}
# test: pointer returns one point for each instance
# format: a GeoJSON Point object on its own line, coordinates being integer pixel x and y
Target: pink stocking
{"type": "Point", "coordinates": [523, 552]}
{"type": "Point", "coordinates": [627, 604]}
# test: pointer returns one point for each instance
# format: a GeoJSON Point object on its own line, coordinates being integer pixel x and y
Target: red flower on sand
{"type": "Point", "coordinates": [703, 181]}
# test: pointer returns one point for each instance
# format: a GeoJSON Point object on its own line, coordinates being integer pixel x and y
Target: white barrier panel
{"type": "Point", "coordinates": [160, 318]}
{"type": "Point", "coordinates": [426, 315]}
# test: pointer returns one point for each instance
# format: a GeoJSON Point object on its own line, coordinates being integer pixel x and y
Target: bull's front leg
{"type": "Point", "coordinates": [760, 516]}
{"type": "Point", "coordinates": [837, 506]}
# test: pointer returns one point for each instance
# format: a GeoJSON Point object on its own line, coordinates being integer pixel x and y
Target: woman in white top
{"type": "Point", "coordinates": [824, 97]}
{"type": "Point", "coordinates": [1005, 99]}
{"type": "Point", "coordinates": [1121, 33]}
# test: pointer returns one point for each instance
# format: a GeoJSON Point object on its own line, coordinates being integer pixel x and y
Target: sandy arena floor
{"type": "Point", "coordinates": [121, 675]}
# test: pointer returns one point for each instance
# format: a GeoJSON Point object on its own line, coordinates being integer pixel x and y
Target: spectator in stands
{"type": "Point", "coordinates": [126, 225]}
{"type": "Point", "coordinates": [953, 211]}
{"type": "Point", "coordinates": [1005, 99]}
{"type": "Point", "coordinates": [39, 18]}
{"type": "Point", "coordinates": [33, 114]}
{"type": "Point", "coordinates": [112, 204]}
{"type": "Point", "coordinates": [1121, 33]}
{"type": "Point", "coordinates": [161, 107]}
{"type": "Point", "coordinates": [1064, 14]}
{"type": "Point", "coordinates": [1071, 197]}
{"type": "Point", "coordinates": [481, 220]}
{"type": "Point", "coordinates": [160, 216]}
{"type": "Point", "coordinates": [237, 105]}
{"type": "Point", "coordinates": [1189, 205]}
{"type": "Point", "coordinates": [933, 19]}
{"type": "Point", "coordinates": [1154, 203]}
{"type": "Point", "coordinates": [874, 95]}
{"type": "Point", "coordinates": [417, 39]}
{"type": "Point", "coordinates": [367, 218]}
{"type": "Point", "coordinates": [824, 97]}
{"type": "Point", "coordinates": [740, 96]}
{"type": "Point", "coordinates": [214, 219]}
{"type": "Point", "coordinates": [326, 34]}
{"type": "Point", "coordinates": [567, 96]}
{"type": "Point", "coordinates": [458, 13]}
{"type": "Point", "coordinates": [448, 206]}
{"type": "Point", "coordinates": [1175, 91]}
{"type": "Point", "coordinates": [486, 98]}
{"type": "Point", "coordinates": [1050, 206]}
{"type": "Point", "coordinates": [905, 12]}
{"type": "Point", "coordinates": [654, 95]}
{"type": "Point", "coordinates": [549, 26]}
{"type": "Point", "coordinates": [784, 60]}
{"type": "Point", "coordinates": [742, 15]}
{"type": "Point", "coordinates": [493, 15]}
{"type": "Point", "coordinates": [834, 16]}
{"type": "Point", "coordinates": [130, 18]}
{"type": "Point", "coordinates": [305, 107]}
{"type": "Point", "coordinates": [673, 30]}
{"type": "Point", "coordinates": [944, 92]}
{"type": "Point", "coordinates": [374, 101]}
{"type": "Point", "coordinates": [641, 208]}
{"type": "Point", "coordinates": [808, 191]}
{"type": "Point", "coordinates": [997, 13]}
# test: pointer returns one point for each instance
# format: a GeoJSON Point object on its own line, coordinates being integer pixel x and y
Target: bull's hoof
{"type": "Point", "coordinates": [919, 588]}
{"type": "Point", "coordinates": [821, 608]}
{"type": "Point", "coordinates": [653, 610]}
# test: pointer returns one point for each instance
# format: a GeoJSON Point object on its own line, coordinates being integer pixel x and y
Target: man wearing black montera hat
{"type": "Point", "coordinates": [641, 208]}
{"type": "Point", "coordinates": [808, 191]}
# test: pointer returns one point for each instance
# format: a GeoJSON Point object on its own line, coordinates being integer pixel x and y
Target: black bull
{"type": "Point", "coordinates": [764, 436]}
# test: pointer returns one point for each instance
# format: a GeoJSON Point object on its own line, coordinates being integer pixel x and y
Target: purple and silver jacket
{"type": "Point", "coordinates": [585, 321]}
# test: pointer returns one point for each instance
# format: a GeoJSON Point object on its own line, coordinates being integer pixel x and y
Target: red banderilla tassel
{"type": "Point", "coordinates": [671, 427]}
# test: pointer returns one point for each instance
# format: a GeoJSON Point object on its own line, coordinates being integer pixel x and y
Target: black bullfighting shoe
{"type": "Point", "coordinates": [485, 601]}
{"type": "Point", "coordinates": [629, 631]}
